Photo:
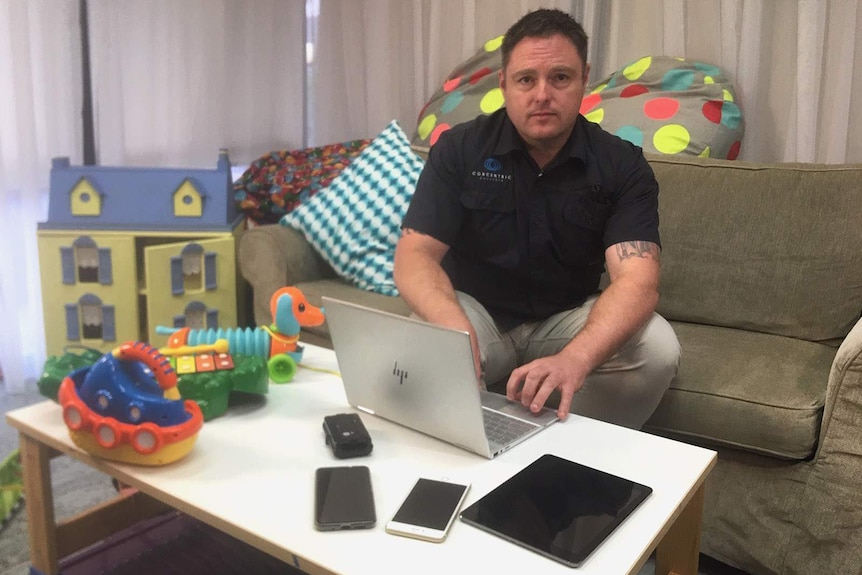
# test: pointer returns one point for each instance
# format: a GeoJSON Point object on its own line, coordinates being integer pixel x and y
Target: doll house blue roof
{"type": "Point", "coordinates": [137, 198]}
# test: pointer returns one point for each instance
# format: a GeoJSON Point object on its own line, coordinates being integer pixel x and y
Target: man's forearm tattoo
{"type": "Point", "coordinates": [639, 249]}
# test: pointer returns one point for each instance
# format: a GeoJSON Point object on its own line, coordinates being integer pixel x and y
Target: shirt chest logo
{"type": "Point", "coordinates": [492, 172]}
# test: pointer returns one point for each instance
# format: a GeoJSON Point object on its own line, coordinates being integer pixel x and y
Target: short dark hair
{"type": "Point", "coordinates": [544, 23]}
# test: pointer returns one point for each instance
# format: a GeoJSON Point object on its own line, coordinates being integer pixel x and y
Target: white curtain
{"type": "Point", "coordinates": [797, 66]}
{"type": "Point", "coordinates": [40, 118]}
{"type": "Point", "coordinates": [174, 81]}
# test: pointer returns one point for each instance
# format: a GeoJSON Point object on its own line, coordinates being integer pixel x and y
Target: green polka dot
{"type": "Point", "coordinates": [708, 80]}
{"type": "Point", "coordinates": [596, 116]}
{"type": "Point", "coordinates": [493, 44]}
{"type": "Point", "coordinates": [671, 139]}
{"type": "Point", "coordinates": [492, 101]}
{"type": "Point", "coordinates": [704, 153]}
{"type": "Point", "coordinates": [426, 125]}
{"type": "Point", "coordinates": [728, 97]}
{"type": "Point", "coordinates": [636, 70]}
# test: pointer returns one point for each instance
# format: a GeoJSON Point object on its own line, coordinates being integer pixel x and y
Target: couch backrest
{"type": "Point", "coordinates": [774, 248]}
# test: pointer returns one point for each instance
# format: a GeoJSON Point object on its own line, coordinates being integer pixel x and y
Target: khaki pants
{"type": "Point", "coordinates": [624, 390]}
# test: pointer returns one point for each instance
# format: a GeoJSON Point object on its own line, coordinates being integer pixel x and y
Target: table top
{"type": "Point", "coordinates": [251, 474]}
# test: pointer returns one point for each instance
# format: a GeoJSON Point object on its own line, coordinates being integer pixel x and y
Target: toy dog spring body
{"type": "Point", "coordinates": [290, 312]}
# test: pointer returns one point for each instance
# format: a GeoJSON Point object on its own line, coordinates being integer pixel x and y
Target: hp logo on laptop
{"type": "Point", "coordinates": [401, 374]}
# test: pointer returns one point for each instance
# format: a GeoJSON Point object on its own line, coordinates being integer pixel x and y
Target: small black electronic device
{"type": "Point", "coordinates": [428, 510]}
{"type": "Point", "coordinates": [559, 508]}
{"type": "Point", "coordinates": [343, 498]}
{"type": "Point", "coordinates": [346, 435]}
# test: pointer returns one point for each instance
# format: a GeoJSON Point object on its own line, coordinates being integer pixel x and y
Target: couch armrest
{"type": "Point", "coordinates": [828, 513]}
{"type": "Point", "coordinates": [275, 256]}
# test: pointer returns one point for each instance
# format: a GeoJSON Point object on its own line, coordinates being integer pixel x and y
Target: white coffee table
{"type": "Point", "coordinates": [251, 475]}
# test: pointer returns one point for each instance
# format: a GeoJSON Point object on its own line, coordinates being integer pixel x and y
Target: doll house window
{"type": "Point", "coordinates": [197, 316]}
{"type": "Point", "coordinates": [90, 319]}
{"type": "Point", "coordinates": [193, 271]}
{"type": "Point", "coordinates": [86, 262]}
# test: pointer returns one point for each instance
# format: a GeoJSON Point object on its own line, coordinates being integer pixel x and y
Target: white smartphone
{"type": "Point", "coordinates": [429, 510]}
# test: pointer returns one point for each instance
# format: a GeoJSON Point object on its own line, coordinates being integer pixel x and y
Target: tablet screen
{"type": "Point", "coordinates": [558, 508]}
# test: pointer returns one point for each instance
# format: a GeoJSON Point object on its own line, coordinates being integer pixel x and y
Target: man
{"type": "Point", "coordinates": [514, 219]}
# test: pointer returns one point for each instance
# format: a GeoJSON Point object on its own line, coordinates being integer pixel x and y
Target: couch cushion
{"type": "Point", "coordinates": [772, 248]}
{"type": "Point", "coordinates": [355, 222]}
{"type": "Point", "coordinates": [752, 391]}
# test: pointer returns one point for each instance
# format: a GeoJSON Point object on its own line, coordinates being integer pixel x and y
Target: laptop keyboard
{"type": "Point", "coordinates": [503, 429]}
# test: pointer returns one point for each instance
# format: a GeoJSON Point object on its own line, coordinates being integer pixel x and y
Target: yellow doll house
{"type": "Point", "coordinates": [126, 249]}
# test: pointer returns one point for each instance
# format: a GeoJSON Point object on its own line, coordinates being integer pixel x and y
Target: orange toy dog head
{"type": "Point", "coordinates": [291, 311]}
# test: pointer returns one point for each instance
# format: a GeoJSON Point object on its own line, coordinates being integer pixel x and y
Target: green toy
{"type": "Point", "coordinates": [59, 366]}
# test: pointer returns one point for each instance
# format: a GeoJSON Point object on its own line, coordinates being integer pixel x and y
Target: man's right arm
{"type": "Point", "coordinates": [426, 287]}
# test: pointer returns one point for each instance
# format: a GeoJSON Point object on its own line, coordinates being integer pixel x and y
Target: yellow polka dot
{"type": "Point", "coordinates": [426, 126]}
{"type": "Point", "coordinates": [492, 101]}
{"type": "Point", "coordinates": [671, 139]}
{"type": "Point", "coordinates": [635, 71]}
{"type": "Point", "coordinates": [493, 44]}
{"type": "Point", "coordinates": [599, 88]}
{"type": "Point", "coordinates": [596, 115]}
{"type": "Point", "coordinates": [708, 80]}
{"type": "Point", "coordinates": [728, 97]}
{"type": "Point", "coordinates": [704, 153]}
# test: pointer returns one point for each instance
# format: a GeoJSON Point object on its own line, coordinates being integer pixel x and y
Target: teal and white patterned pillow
{"type": "Point", "coordinates": [356, 221]}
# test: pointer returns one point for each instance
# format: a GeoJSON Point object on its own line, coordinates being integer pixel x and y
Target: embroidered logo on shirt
{"type": "Point", "coordinates": [491, 173]}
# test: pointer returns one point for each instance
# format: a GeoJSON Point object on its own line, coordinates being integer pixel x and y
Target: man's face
{"type": "Point", "coordinates": [544, 83]}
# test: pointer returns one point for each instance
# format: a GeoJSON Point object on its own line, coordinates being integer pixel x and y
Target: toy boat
{"type": "Point", "coordinates": [126, 407]}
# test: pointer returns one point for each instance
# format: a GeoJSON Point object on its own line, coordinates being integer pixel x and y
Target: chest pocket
{"type": "Point", "coordinates": [494, 201]}
{"type": "Point", "coordinates": [581, 238]}
{"type": "Point", "coordinates": [489, 222]}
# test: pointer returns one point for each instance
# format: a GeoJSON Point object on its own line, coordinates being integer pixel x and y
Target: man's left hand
{"type": "Point", "coordinates": [532, 383]}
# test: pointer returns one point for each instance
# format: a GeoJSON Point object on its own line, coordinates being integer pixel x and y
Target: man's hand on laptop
{"type": "Point", "coordinates": [533, 383]}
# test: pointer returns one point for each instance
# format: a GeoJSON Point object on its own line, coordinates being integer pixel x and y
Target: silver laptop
{"type": "Point", "coordinates": [421, 376]}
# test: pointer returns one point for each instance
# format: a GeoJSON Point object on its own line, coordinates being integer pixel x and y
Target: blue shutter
{"type": "Point", "coordinates": [212, 318]}
{"type": "Point", "coordinates": [67, 259]}
{"type": "Point", "coordinates": [73, 330]}
{"type": "Point", "coordinates": [210, 271]}
{"type": "Point", "coordinates": [106, 272]}
{"type": "Point", "coordinates": [177, 276]}
{"type": "Point", "coordinates": [109, 323]}
{"type": "Point", "coordinates": [179, 321]}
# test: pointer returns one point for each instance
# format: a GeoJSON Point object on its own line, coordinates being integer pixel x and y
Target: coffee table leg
{"type": "Point", "coordinates": [679, 551]}
{"type": "Point", "coordinates": [39, 502]}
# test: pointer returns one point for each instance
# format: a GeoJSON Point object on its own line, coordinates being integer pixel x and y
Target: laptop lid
{"type": "Point", "coordinates": [408, 371]}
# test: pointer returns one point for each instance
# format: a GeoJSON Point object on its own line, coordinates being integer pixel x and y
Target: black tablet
{"type": "Point", "coordinates": [558, 508]}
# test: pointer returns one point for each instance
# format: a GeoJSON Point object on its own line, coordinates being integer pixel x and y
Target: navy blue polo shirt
{"type": "Point", "coordinates": [528, 242]}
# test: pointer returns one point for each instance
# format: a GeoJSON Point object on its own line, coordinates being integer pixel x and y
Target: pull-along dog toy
{"type": "Point", "coordinates": [278, 342]}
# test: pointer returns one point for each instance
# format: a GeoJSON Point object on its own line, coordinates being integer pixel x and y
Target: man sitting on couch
{"type": "Point", "coordinates": [512, 222]}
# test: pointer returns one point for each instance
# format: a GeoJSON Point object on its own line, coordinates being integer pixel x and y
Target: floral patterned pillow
{"type": "Point", "coordinates": [279, 181]}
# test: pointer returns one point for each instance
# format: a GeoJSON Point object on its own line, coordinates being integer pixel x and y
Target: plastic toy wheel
{"type": "Point", "coordinates": [107, 434]}
{"type": "Point", "coordinates": [282, 368]}
{"type": "Point", "coordinates": [73, 417]}
{"type": "Point", "coordinates": [147, 439]}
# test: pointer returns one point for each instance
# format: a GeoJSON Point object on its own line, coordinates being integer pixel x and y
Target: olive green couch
{"type": "Point", "coordinates": [762, 281]}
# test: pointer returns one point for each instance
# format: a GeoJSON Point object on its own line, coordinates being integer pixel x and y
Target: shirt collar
{"type": "Point", "coordinates": [510, 140]}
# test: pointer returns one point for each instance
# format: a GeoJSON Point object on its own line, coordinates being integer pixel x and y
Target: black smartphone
{"type": "Point", "coordinates": [343, 498]}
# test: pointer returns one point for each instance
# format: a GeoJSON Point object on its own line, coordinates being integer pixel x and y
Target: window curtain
{"type": "Point", "coordinates": [40, 109]}
{"type": "Point", "coordinates": [174, 81]}
{"type": "Point", "coordinates": [796, 65]}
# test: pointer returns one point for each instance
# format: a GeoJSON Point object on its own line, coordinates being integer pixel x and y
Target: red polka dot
{"type": "Point", "coordinates": [733, 152]}
{"type": "Point", "coordinates": [661, 108]}
{"type": "Point", "coordinates": [633, 90]}
{"type": "Point", "coordinates": [712, 111]}
{"type": "Point", "coordinates": [451, 84]}
{"type": "Point", "coordinates": [437, 131]}
{"type": "Point", "coordinates": [590, 102]}
{"type": "Point", "coordinates": [479, 74]}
